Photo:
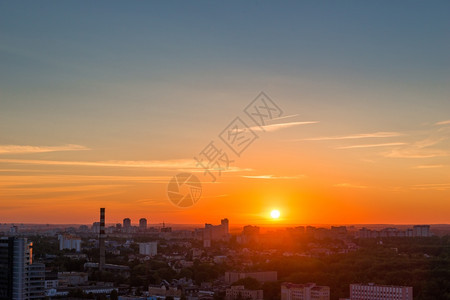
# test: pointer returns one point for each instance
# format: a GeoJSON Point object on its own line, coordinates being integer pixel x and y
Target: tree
{"type": "Point", "coordinates": [249, 283]}
{"type": "Point", "coordinates": [114, 295]}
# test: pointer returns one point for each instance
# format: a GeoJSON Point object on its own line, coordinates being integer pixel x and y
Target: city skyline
{"type": "Point", "coordinates": [102, 106]}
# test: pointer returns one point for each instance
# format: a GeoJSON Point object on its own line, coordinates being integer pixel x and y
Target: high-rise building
{"type": "Point", "coordinates": [36, 281]}
{"type": "Point", "coordinates": [143, 224]}
{"type": "Point", "coordinates": [20, 279]}
{"type": "Point", "coordinates": [217, 232]}
{"type": "Point", "coordinates": [380, 292]}
{"type": "Point", "coordinates": [126, 223]}
{"type": "Point", "coordinates": [96, 227]}
{"type": "Point", "coordinates": [308, 291]}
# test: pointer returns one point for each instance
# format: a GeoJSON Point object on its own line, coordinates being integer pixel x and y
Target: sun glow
{"type": "Point", "coordinates": [275, 214]}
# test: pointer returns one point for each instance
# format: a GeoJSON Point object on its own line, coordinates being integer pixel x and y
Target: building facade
{"type": "Point", "coordinates": [380, 292]}
{"type": "Point", "coordinates": [239, 292]}
{"type": "Point", "coordinates": [20, 279]}
{"type": "Point", "coordinates": [267, 276]}
{"type": "Point", "coordinates": [69, 242]}
{"type": "Point", "coordinates": [150, 249]}
{"type": "Point", "coordinates": [308, 291]}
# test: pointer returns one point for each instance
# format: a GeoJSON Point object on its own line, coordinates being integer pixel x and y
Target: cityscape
{"type": "Point", "coordinates": [140, 261]}
{"type": "Point", "coordinates": [225, 150]}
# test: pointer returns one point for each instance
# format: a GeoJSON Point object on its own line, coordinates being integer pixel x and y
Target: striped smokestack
{"type": "Point", "coordinates": [101, 237]}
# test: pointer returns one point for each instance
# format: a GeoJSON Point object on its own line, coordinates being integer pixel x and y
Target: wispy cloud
{"type": "Point", "coordinates": [19, 149]}
{"type": "Point", "coordinates": [155, 164]}
{"type": "Point", "coordinates": [230, 169]}
{"type": "Point", "coordinates": [349, 185]}
{"type": "Point", "coordinates": [285, 117]}
{"type": "Point", "coordinates": [447, 122]}
{"type": "Point", "coordinates": [381, 134]}
{"type": "Point", "coordinates": [416, 153]}
{"type": "Point", "coordinates": [371, 145]}
{"type": "Point", "coordinates": [421, 148]}
{"type": "Point", "coordinates": [432, 186]}
{"type": "Point", "coordinates": [275, 127]}
{"type": "Point", "coordinates": [428, 166]}
{"type": "Point", "coordinates": [11, 191]}
{"type": "Point", "coordinates": [25, 180]}
{"type": "Point", "coordinates": [272, 177]}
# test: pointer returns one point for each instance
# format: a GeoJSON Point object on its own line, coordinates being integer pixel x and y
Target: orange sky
{"type": "Point", "coordinates": [308, 181]}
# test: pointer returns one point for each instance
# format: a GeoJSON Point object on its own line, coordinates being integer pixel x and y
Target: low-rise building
{"type": "Point", "coordinates": [266, 276]}
{"type": "Point", "coordinates": [69, 242]}
{"type": "Point", "coordinates": [308, 291]}
{"type": "Point", "coordinates": [239, 292]}
{"type": "Point", "coordinates": [150, 249]}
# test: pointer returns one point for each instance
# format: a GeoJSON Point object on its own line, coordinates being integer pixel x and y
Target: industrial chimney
{"type": "Point", "coordinates": [101, 239]}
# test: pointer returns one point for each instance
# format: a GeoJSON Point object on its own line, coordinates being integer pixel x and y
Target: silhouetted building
{"type": "Point", "coordinates": [166, 229]}
{"type": "Point", "coordinates": [143, 224]}
{"type": "Point", "coordinates": [249, 234]}
{"type": "Point", "coordinates": [421, 230]}
{"type": "Point", "coordinates": [96, 227]}
{"type": "Point", "coordinates": [416, 231]}
{"type": "Point", "coordinates": [216, 232]}
{"type": "Point", "coordinates": [126, 227]}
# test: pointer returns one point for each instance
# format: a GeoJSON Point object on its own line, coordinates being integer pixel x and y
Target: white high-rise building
{"type": "Point", "coordinates": [380, 292]}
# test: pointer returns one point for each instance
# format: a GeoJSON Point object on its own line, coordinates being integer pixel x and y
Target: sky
{"type": "Point", "coordinates": [102, 103]}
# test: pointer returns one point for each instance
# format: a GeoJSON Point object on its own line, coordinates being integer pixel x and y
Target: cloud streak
{"type": "Point", "coordinates": [370, 145]}
{"type": "Point", "coordinates": [446, 122]}
{"type": "Point", "coordinates": [154, 164]}
{"type": "Point", "coordinates": [381, 134]}
{"type": "Point", "coordinates": [417, 153]}
{"type": "Point", "coordinates": [432, 186]}
{"type": "Point", "coordinates": [19, 149]}
{"type": "Point", "coordinates": [272, 177]}
{"type": "Point", "coordinates": [349, 185]}
{"type": "Point", "coordinates": [275, 127]}
{"type": "Point", "coordinates": [428, 166]}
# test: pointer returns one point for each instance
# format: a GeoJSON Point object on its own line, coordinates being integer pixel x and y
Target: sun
{"type": "Point", "coordinates": [275, 214]}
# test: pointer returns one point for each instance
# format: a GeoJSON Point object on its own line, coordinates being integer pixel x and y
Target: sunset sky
{"type": "Point", "coordinates": [101, 103]}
